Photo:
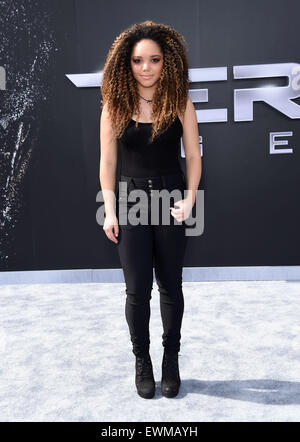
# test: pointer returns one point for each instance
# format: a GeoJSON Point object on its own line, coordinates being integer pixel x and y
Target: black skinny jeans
{"type": "Point", "coordinates": [141, 247]}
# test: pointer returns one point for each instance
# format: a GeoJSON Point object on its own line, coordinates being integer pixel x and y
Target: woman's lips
{"type": "Point", "coordinates": [146, 76]}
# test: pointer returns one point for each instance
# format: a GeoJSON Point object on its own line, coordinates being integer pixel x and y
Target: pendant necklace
{"type": "Point", "coordinates": [148, 101]}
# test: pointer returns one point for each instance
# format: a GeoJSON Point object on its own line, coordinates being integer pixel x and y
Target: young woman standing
{"type": "Point", "coordinates": [147, 109]}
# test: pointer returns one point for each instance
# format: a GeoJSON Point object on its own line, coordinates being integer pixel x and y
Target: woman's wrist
{"type": "Point", "coordinates": [190, 196]}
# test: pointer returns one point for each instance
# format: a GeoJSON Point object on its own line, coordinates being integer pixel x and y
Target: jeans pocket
{"type": "Point", "coordinates": [124, 207]}
{"type": "Point", "coordinates": [124, 189]}
{"type": "Point", "coordinates": [178, 189]}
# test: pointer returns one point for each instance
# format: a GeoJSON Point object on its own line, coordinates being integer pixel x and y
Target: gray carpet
{"type": "Point", "coordinates": [65, 354]}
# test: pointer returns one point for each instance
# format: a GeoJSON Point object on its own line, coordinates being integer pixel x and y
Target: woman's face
{"type": "Point", "coordinates": [146, 62]}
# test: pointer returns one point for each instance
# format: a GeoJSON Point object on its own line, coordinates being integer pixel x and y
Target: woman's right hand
{"type": "Point", "coordinates": [111, 227]}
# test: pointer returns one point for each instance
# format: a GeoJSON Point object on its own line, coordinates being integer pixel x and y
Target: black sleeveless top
{"type": "Point", "coordinates": [140, 158]}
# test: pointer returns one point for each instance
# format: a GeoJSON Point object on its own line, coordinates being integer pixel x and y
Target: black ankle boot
{"type": "Point", "coordinates": [144, 379]}
{"type": "Point", "coordinates": [170, 381]}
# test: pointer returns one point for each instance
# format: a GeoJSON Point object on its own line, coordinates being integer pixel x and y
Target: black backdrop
{"type": "Point", "coordinates": [48, 196]}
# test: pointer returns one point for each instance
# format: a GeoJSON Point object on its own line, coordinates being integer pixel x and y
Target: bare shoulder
{"type": "Point", "coordinates": [108, 141]}
{"type": "Point", "coordinates": [106, 123]}
{"type": "Point", "coordinates": [190, 132]}
{"type": "Point", "coordinates": [105, 113]}
{"type": "Point", "coordinates": [189, 113]}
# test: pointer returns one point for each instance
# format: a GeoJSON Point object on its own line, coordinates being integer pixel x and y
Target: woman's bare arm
{"type": "Point", "coordinates": [191, 146]}
{"type": "Point", "coordinates": [108, 162]}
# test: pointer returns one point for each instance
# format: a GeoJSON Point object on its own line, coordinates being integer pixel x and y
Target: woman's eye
{"type": "Point", "coordinates": [156, 60]}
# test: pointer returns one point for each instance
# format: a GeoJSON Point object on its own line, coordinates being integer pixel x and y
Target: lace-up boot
{"type": "Point", "coordinates": [144, 379]}
{"type": "Point", "coordinates": [170, 381]}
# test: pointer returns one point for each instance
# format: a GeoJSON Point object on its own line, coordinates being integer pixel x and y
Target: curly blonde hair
{"type": "Point", "coordinates": [119, 89]}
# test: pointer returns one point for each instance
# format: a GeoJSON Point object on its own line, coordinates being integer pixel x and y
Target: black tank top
{"type": "Point", "coordinates": [140, 158]}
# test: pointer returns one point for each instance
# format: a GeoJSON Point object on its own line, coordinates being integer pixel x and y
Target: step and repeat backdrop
{"type": "Point", "coordinates": [245, 85]}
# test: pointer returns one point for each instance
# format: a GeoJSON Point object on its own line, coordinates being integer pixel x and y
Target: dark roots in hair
{"type": "Point", "coordinates": [119, 89]}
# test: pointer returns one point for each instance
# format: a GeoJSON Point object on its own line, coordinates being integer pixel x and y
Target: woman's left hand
{"type": "Point", "coordinates": [184, 209]}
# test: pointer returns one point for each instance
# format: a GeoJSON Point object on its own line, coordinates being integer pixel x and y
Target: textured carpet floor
{"type": "Point", "coordinates": [65, 354]}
